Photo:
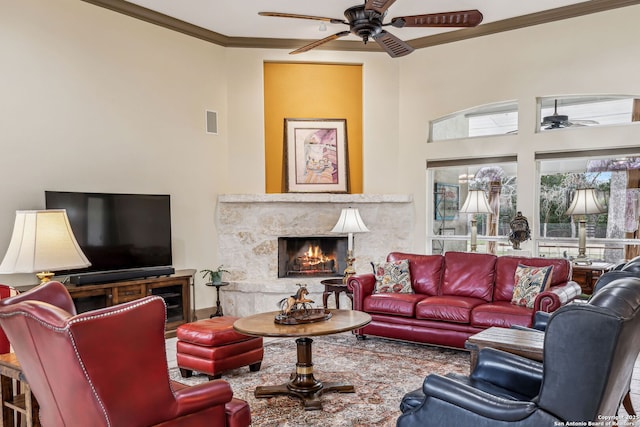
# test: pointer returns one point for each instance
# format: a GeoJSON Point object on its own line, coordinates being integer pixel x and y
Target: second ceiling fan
{"type": "Point", "coordinates": [367, 22]}
{"type": "Point", "coordinates": [560, 121]}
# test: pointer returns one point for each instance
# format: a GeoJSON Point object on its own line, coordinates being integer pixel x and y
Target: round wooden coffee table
{"type": "Point", "coordinates": [302, 383]}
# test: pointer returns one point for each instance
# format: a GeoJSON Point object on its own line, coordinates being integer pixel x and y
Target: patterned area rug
{"type": "Point", "coordinates": [382, 371]}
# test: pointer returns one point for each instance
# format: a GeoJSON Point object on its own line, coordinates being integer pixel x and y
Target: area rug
{"type": "Point", "coordinates": [382, 371]}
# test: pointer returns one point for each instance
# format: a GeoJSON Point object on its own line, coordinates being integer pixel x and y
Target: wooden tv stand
{"type": "Point", "coordinates": [174, 289]}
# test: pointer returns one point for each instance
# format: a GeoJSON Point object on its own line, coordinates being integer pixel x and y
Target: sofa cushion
{"type": "Point", "coordinates": [447, 308]}
{"type": "Point", "coordinates": [500, 313]}
{"type": "Point", "coordinates": [530, 281]}
{"type": "Point", "coordinates": [426, 271]}
{"type": "Point", "coordinates": [469, 274]}
{"type": "Point", "coordinates": [506, 270]}
{"type": "Point", "coordinates": [396, 304]}
{"type": "Point", "coordinates": [392, 277]}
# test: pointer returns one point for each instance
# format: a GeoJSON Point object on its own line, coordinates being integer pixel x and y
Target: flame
{"type": "Point", "coordinates": [314, 255]}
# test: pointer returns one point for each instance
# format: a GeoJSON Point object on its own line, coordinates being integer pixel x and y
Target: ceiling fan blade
{"type": "Point", "coordinates": [463, 18]}
{"type": "Point", "coordinates": [379, 6]}
{"type": "Point", "coordinates": [393, 45]}
{"type": "Point", "coordinates": [317, 43]}
{"type": "Point", "coordinates": [585, 122]}
{"type": "Point", "coordinates": [292, 15]}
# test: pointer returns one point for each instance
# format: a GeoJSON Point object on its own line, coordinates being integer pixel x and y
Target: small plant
{"type": "Point", "coordinates": [215, 276]}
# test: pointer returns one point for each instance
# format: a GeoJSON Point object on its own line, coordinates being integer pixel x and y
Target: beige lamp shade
{"type": "Point", "coordinates": [350, 222]}
{"type": "Point", "coordinates": [476, 202]}
{"type": "Point", "coordinates": [585, 202]}
{"type": "Point", "coordinates": [42, 241]}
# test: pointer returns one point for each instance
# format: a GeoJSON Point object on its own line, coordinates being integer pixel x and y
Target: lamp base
{"type": "Point", "coordinates": [45, 276]}
{"type": "Point", "coordinates": [349, 271]}
{"type": "Point", "coordinates": [581, 260]}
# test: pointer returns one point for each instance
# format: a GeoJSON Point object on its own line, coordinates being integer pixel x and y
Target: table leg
{"type": "Point", "coordinates": [336, 295]}
{"type": "Point", "coordinates": [325, 298]}
{"type": "Point", "coordinates": [473, 354]}
{"type": "Point", "coordinates": [6, 395]}
{"type": "Point", "coordinates": [302, 383]}
{"type": "Point", "coordinates": [218, 312]}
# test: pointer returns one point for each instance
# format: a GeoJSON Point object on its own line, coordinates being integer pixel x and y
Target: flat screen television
{"type": "Point", "coordinates": [118, 231]}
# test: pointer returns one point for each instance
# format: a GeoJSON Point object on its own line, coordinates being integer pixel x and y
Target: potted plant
{"type": "Point", "coordinates": [215, 276]}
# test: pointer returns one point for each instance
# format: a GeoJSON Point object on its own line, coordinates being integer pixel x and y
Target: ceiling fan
{"type": "Point", "coordinates": [366, 21]}
{"type": "Point", "coordinates": [559, 121]}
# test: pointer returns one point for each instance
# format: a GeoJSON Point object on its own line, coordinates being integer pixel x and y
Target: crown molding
{"type": "Point", "coordinates": [551, 15]}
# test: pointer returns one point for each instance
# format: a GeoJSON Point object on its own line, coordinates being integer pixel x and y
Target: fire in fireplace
{"type": "Point", "coordinates": [311, 256]}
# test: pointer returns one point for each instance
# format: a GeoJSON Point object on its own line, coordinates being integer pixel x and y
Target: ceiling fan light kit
{"type": "Point", "coordinates": [367, 21]}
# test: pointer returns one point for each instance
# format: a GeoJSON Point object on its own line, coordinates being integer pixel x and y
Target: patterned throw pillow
{"type": "Point", "coordinates": [392, 277]}
{"type": "Point", "coordinates": [529, 282]}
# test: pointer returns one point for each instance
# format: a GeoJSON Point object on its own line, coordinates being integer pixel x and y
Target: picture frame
{"type": "Point", "coordinates": [316, 156]}
{"type": "Point", "coordinates": [446, 201]}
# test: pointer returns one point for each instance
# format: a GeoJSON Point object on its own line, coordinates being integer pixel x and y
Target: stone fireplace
{"type": "Point", "coordinates": [251, 229]}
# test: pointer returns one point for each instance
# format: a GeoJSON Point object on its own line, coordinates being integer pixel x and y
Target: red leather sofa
{"type": "Point", "coordinates": [457, 294]}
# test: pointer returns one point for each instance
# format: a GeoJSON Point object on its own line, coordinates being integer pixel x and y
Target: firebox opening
{"type": "Point", "coordinates": [311, 256]}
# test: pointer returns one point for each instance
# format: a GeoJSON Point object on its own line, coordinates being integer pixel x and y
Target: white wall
{"type": "Point", "coordinates": [96, 101]}
{"type": "Point", "coordinates": [91, 100]}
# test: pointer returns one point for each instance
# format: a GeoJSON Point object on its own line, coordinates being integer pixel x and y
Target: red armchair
{"type": "Point", "coordinates": [5, 292]}
{"type": "Point", "coordinates": [107, 367]}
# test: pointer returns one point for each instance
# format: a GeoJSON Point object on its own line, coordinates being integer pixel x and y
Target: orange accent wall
{"type": "Point", "coordinates": [310, 91]}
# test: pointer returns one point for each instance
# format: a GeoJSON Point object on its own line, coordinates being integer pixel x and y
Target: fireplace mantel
{"type": "Point", "coordinates": [315, 198]}
{"type": "Point", "coordinates": [248, 227]}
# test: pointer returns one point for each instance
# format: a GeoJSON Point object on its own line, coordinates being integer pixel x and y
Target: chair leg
{"type": "Point", "coordinates": [185, 373]}
{"type": "Point", "coordinates": [214, 377]}
{"type": "Point", "coordinates": [255, 367]}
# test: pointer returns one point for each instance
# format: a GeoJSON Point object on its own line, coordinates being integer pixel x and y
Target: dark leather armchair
{"type": "Point", "coordinates": [589, 353]}
{"type": "Point", "coordinates": [107, 367]}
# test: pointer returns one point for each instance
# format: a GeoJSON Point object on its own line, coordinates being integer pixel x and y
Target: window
{"type": "Point", "coordinates": [616, 180]}
{"type": "Point", "coordinates": [586, 110]}
{"type": "Point", "coordinates": [493, 119]}
{"type": "Point", "coordinates": [449, 229]}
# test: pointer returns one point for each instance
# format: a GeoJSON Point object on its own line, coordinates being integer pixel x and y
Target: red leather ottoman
{"type": "Point", "coordinates": [212, 346]}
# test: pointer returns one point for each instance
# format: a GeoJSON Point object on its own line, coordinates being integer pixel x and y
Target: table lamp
{"type": "Point", "coordinates": [584, 203]}
{"type": "Point", "coordinates": [476, 203]}
{"type": "Point", "coordinates": [349, 222]}
{"type": "Point", "coordinates": [42, 241]}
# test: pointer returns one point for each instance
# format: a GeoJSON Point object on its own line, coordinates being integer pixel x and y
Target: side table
{"type": "Point", "coordinates": [526, 343]}
{"type": "Point", "coordinates": [335, 286]}
{"type": "Point", "coordinates": [587, 275]}
{"type": "Point", "coordinates": [218, 305]}
{"type": "Point", "coordinates": [24, 404]}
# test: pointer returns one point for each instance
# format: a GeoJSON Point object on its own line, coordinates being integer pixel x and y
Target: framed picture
{"type": "Point", "coordinates": [446, 201]}
{"type": "Point", "coordinates": [316, 155]}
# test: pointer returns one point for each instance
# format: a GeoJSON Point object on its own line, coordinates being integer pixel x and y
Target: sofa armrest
{"type": "Point", "coordinates": [361, 285]}
{"type": "Point", "coordinates": [556, 296]}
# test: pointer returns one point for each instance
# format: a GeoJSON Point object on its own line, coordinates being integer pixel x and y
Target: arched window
{"type": "Point", "coordinates": [499, 118]}
{"type": "Point", "coordinates": [563, 112]}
